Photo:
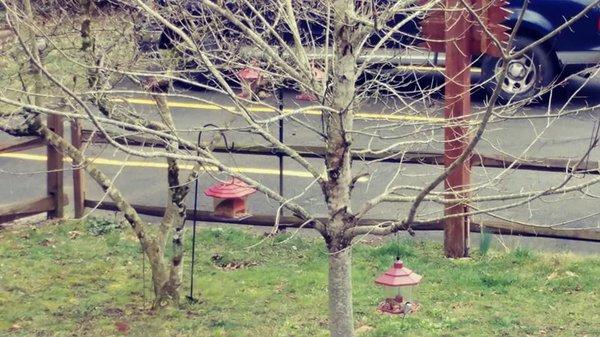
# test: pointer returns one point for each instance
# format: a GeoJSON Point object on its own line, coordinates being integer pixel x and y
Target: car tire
{"type": "Point", "coordinates": [526, 76]}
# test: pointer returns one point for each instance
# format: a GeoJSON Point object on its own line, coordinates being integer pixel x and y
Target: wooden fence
{"type": "Point", "coordinates": [55, 199]}
{"type": "Point", "coordinates": [429, 158]}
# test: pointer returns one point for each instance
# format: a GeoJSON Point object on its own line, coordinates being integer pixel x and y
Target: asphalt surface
{"type": "Point", "coordinates": [417, 127]}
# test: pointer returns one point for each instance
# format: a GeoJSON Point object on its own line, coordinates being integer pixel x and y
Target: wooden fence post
{"type": "Point", "coordinates": [457, 110]}
{"type": "Point", "coordinates": [78, 177]}
{"type": "Point", "coordinates": [54, 167]}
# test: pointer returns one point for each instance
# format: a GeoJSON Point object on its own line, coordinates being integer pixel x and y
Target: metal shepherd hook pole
{"type": "Point", "coordinates": [279, 95]}
{"type": "Point", "coordinates": [190, 297]}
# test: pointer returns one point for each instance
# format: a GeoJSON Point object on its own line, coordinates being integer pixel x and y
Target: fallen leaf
{"type": "Point", "coordinates": [364, 329]}
{"type": "Point", "coordinates": [74, 235]}
{"type": "Point", "coordinates": [122, 326]}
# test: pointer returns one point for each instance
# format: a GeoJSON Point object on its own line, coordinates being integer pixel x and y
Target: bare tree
{"type": "Point", "coordinates": [341, 52]}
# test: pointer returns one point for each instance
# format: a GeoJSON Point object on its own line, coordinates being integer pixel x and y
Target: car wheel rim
{"type": "Point", "coordinates": [521, 75]}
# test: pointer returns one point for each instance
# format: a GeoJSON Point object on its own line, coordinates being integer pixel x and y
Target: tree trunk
{"type": "Point", "coordinates": [339, 125]}
{"type": "Point", "coordinates": [341, 322]}
{"type": "Point", "coordinates": [166, 294]}
{"type": "Point", "coordinates": [174, 219]}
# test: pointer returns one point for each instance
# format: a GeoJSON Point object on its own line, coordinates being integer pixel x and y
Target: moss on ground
{"type": "Point", "coordinates": [71, 279]}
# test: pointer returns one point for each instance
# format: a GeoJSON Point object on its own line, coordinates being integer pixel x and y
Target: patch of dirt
{"type": "Point", "coordinates": [191, 314]}
{"type": "Point", "coordinates": [113, 312]}
{"type": "Point", "coordinates": [224, 264]}
{"type": "Point", "coordinates": [48, 242]}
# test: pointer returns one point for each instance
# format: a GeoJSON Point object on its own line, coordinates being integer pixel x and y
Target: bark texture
{"type": "Point", "coordinates": [340, 294]}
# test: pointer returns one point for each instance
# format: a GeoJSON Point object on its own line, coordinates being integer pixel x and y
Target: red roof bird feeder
{"type": "Point", "coordinates": [399, 283]}
{"type": "Point", "coordinates": [250, 79]}
{"type": "Point", "coordinates": [230, 198]}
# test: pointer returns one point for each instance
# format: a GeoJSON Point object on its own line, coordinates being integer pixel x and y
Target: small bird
{"type": "Point", "coordinates": [407, 308]}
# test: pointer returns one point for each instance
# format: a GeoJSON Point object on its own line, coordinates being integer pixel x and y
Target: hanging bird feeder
{"type": "Point", "coordinates": [250, 80]}
{"type": "Point", "coordinates": [400, 285]}
{"type": "Point", "coordinates": [230, 199]}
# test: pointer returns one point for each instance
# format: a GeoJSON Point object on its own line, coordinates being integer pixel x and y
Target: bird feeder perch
{"type": "Point", "coordinates": [399, 283]}
{"type": "Point", "coordinates": [230, 199]}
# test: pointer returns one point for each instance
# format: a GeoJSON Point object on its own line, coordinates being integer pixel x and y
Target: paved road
{"type": "Point", "coordinates": [143, 181]}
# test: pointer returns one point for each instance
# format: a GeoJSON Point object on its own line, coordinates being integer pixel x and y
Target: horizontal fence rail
{"type": "Point", "coordinates": [410, 157]}
{"type": "Point", "coordinates": [10, 212]}
{"type": "Point", "coordinates": [492, 226]}
{"type": "Point", "coordinates": [431, 158]}
{"type": "Point", "coordinates": [21, 144]}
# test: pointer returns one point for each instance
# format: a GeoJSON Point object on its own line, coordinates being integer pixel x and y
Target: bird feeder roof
{"type": "Point", "coordinates": [234, 188]}
{"type": "Point", "coordinates": [248, 74]}
{"type": "Point", "coordinates": [398, 276]}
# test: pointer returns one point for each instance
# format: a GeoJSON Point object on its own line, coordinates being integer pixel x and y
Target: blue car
{"type": "Point", "coordinates": [572, 50]}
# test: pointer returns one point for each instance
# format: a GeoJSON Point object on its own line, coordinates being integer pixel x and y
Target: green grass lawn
{"type": "Point", "coordinates": [62, 280]}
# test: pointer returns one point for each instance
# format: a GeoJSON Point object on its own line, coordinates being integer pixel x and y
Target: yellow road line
{"type": "Point", "coordinates": [160, 165]}
{"type": "Point", "coordinates": [214, 107]}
